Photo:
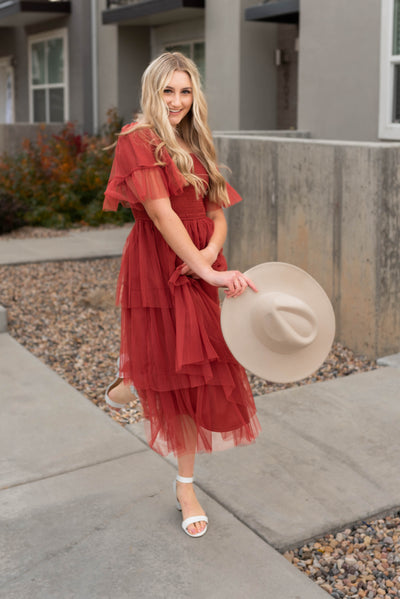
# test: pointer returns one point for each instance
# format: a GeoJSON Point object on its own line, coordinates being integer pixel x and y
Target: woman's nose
{"type": "Point", "coordinates": [176, 100]}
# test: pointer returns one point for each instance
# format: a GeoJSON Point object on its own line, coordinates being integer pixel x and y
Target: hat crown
{"type": "Point", "coordinates": [284, 322]}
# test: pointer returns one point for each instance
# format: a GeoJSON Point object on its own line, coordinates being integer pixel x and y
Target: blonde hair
{"type": "Point", "coordinates": [193, 128]}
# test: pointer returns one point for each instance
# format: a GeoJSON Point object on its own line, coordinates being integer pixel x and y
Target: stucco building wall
{"type": "Point", "coordinates": [339, 49]}
{"type": "Point", "coordinates": [240, 70]}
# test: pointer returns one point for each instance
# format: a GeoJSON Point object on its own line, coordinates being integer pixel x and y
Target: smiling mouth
{"type": "Point", "coordinates": [175, 111]}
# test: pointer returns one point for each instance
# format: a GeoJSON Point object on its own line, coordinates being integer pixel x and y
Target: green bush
{"type": "Point", "coordinates": [60, 179]}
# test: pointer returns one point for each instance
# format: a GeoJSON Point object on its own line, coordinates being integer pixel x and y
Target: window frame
{"type": "Point", "coordinates": [6, 62]}
{"type": "Point", "coordinates": [387, 128]}
{"type": "Point", "coordinates": [42, 37]}
{"type": "Point", "coordinates": [190, 43]}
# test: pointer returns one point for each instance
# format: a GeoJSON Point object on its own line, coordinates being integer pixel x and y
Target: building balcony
{"type": "Point", "coordinates": [274, 11]}
{"type": "Point", "coordinates": [19, 13]}
{"type": "Point", "coordinates": [151, 12]}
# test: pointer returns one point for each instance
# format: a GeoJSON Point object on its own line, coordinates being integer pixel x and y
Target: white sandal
{"type": "Point", "coordinates": [114, 404]}
{"type": "Point", "coordinates": [186, 523]}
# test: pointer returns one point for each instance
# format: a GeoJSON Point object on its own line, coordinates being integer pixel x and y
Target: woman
{"type": "Point", "coordinates": [195, 396]}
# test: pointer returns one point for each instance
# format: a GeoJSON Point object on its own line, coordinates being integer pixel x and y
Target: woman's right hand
{"type": "Point", "coordinates": [234, 281]}
{"type": "Point", "coordinates": [209, 253]}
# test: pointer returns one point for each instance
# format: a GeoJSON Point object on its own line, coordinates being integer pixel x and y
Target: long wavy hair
{"type": "Point", "coordinates": [193, 128]}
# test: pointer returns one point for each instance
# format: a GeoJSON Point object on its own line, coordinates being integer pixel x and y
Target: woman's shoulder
{"type": "Point", "coordinates": [137, 142]}
{"type": "Point", "coordinates": [138, 133]}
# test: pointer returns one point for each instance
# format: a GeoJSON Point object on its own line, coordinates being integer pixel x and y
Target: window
{"type": "Point", "coordinates": [48, 77]}
{"type": "Point", "coordinates": [6, 90]}
{"type": "Point", "coordinates": [389, 108]}
{"type": "Point", "coordinates": [193, 50]}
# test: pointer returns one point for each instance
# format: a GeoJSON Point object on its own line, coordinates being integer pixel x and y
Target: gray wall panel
{"type": "Point", "coordinates": [339, 69]}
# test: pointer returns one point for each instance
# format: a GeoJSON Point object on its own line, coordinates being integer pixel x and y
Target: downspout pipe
{"type": "Point", "coordinates": [95, 56]}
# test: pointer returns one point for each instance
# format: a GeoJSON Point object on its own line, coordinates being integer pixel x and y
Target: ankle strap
{"type": "Point", "coordinates": [183, 479]}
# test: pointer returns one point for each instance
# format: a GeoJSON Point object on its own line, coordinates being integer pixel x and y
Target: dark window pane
{"type": "Point", "coordinates": [55, 62]}
{"type": "Point", "coordinates": [200, 59]}
{"type": "Point", "coordinates": [38, 63]}
{"type": "Point", "coordinates": [396, 27]}
{"type": "Point", "coordinates": [396, 94]}
{"type": "Point", "coordinates": [183, 48]}
{"type": "Point", "coordinates": [39, 106]}
{"type": "Point", "coordinates": [194, 51]}
{"type": "Point", "coordinates": [56, 105]}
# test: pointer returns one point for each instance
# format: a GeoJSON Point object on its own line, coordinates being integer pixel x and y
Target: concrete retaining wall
{"type": "Point", "coordinates": [331, 208]}
{"type": "Point", "coordinates": [12, 136]}
{"type": "Point", "coordinates": [272, 133]}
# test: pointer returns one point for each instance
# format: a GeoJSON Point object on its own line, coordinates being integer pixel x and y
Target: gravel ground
{"type": "Point", "coordinates": [362, 561]}
{"type": "Point", "coordinates": [64, 313]}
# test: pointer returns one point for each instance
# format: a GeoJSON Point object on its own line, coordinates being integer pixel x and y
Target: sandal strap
{"type": "Point", "coordinates": [186, 523]}
{"type": "Point", "coordinates": [115, 404]}
{"type": "Point", "coordinates": [184, 479]}
{"type": "Point", "coordinates": [194, 519]}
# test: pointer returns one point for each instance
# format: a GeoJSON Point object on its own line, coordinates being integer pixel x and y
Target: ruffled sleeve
{"type": "Point", "coordinates": [233, 196]}
{"type": "Point", "coordinates": [136, 176]}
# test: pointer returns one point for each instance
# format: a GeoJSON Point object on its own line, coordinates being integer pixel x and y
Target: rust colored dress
{"type": "Point", "coordinates": [172, 347]}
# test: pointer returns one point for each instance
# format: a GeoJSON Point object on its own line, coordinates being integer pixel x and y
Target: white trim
{"type": "Point", "coordinates": [40, 37]}
{"type": "Point", "coordinates": [387, 129]}
{"type": "Point", "coordinates": [6, 63]}
{"type": "Point", "coordinates": [95, 61]}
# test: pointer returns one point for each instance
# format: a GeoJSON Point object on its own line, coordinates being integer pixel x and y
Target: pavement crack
{"type": "Point", "coordinates": [70, 470]}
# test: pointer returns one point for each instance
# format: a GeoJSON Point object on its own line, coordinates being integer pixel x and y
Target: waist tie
{"type": "Point", "coordinates": [143, 216]}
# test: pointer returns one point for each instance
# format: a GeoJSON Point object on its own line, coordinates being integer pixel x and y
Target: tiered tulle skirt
{"type": "Point", "coordinates": [195, 395]}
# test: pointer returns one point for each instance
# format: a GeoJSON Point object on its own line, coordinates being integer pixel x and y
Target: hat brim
{"type": "Point", "coordinates": [249, 350]}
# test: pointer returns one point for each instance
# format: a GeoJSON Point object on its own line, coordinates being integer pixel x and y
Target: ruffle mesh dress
{"type": "Point", "coordinates": [172, 347]}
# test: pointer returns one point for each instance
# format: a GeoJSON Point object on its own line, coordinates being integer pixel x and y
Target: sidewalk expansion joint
{"type": "Point", "coordinates": [238, 518]}
{"type": "Point", "coordinates": [62, 472]}
{"type": "Point", "coordinates": [383, 513]}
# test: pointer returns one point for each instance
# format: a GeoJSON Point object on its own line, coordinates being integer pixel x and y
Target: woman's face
{"type": "Point", "coordinates": [178, 96]}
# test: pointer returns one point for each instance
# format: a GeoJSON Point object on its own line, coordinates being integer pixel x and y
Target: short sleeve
{"type": "Point", "coordinates": [233, 196]}
{"type": "Point", "coordinates": [136, 176]}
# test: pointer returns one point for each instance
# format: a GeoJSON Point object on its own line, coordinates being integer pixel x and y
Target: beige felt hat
{"type": "Point", "coordinates": [283, 332]}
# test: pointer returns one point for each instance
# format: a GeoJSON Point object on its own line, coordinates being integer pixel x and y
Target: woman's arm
{"type": "Point", "coordinates": [216, 242]}
{"type": "Point", "coordinates": [218, 237]}
{"type": "Point", "coordinates": [173, 231]}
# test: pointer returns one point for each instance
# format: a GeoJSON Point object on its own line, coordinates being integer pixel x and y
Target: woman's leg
{"type": "Point", "coordinates": [185, 491]}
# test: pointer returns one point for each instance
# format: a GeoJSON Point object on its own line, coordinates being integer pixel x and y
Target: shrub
{"type": "Point", "coordinates": [60, 179]}
{"type": "Point", "coordinates": [11, 213]}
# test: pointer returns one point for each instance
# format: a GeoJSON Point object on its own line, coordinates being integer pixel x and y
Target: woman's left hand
{"type": "Point", "coordinates": [234, 281]}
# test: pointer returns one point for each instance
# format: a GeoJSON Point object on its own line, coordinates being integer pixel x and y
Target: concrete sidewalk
{"type": "Point", "coordinates": [75, 245]}
{"type": "Point", "coordinates": [87, 510]}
